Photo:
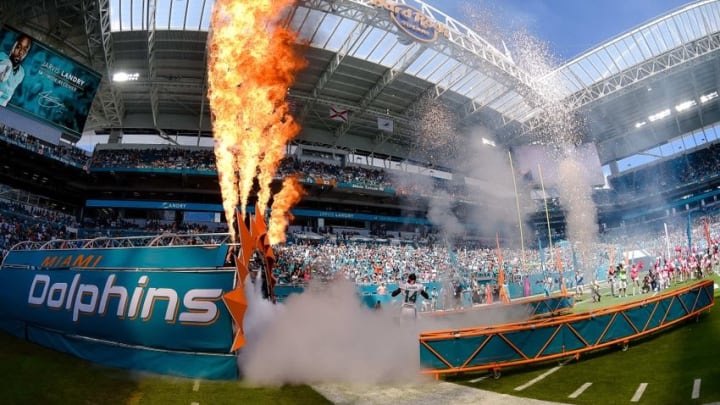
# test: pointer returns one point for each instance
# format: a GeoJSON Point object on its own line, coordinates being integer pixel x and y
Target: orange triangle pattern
{"type": "Point", "coordinates": [242, 269]}
{"type": "Point", "coordinates": [238, 342]}
{"type": "Point", "coordinates": [259, 227]}
{"type": "Point", "coordinates": [246, 245]}
{"type": "Point", "coordinates": [251, 238]}
{"type": "Point", "coordinates": [236, 303]}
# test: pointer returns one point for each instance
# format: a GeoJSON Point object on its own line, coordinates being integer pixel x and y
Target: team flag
{"type": "Point", "coordinates": [708, 239]}
{"type": "Point", "coordinates": [339, 114]}
{"type": "Point", "coordinates": [385, 124]}
{"type": "Point", "coordinates": [501, 273]}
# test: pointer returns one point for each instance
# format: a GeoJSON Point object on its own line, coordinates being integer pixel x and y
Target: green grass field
{"type": "Point", "coordinates": [36, 375]}
{"type": "Point", "coordinates": [585, 303]}
{"type": "Point", "coordinates": [668, 363]}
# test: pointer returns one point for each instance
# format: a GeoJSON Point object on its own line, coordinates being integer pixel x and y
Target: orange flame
{"type": "Point", "coordinates": [280, 216]}
{"type": "Point", "coordinates": [251, 64]}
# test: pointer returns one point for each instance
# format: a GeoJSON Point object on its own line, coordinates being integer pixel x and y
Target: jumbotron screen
{"type": "Point", "coordinates": [43, 84]}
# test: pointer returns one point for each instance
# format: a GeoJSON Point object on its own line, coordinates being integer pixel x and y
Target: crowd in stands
{"type": "Point", "coordinates": [312, 171]}
{"type": "Point", "coordinates": [161, 158]}
{"type": "Point", "coordinates": [468, 268]}
{"type": "Point", "coordinates": [695, 167]}
{"type": "Point", "coordinates": [106, 226]}
{"type": "Point", "coordinates": [66, 154]}
{"type": "Point", "coordinates": [698, 166]}
{"type": "Point", "coordinates": [467, 265]}
{"type": "Point", "coordinates": [204, 160]}
{"type": "Point", "coordinates": [22, 222]}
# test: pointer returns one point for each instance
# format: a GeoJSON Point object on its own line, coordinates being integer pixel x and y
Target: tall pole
{"type": "Point", "coordinates": [667, 243]}
{"type": "Point", "coordinates": [517, 204]}
{"type": "Point", "coordinates": [689, 232]}
{"type": "Point", "coordinates": [547, 213]}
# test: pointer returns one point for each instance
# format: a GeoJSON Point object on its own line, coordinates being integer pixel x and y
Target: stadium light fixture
{"type": "Point", "coordinates": [125, 77]}
{"type": "Point", "coordinates": [658, 116]}
{"type": "Point", "coordinates": [486, 141]}
{"type": "Point", "coordinates": [640, 124]}
{"type": "Point", "coordinates": [707, 97]}
{"type": "Point", "coordinates": [685, 105]}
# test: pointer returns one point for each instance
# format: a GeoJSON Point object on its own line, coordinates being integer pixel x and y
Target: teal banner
{"type": "Point", "coordinates": [298, 212]}
{"type": "Point", "coordinates": [172, 310]}
{"type": "Point", "coordinates": [185, 364]}
{"type": "Point", "coordinates": [159, 257]}
{"type": "Point", "coordinates": [157, 205]}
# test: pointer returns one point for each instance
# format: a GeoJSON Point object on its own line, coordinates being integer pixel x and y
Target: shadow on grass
{"type": "Point", "coordinates": [37, 375]}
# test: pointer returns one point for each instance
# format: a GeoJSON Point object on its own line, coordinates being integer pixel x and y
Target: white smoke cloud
{"type": "Point", "coordinates": [562, 132]}
{"type": "Point", "coordinates": [490, 190]}
{"type": "Point", "coordinates": [581, 213]}
{"type": "Point", "coordinates": [441, 215]}
{"type": "Point", "coordinates": [493, 191]}
{"type": "Point", "coordinates": [326, 335]}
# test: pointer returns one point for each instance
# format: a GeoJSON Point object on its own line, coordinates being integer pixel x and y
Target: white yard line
{"type": "Point", "coordinates": [696, 389]}
{"type": "Point", "coordinates": [194, 403]}
{"type": "Point", "coordinates": [538, 378]}
{"type": "Point", "coordinates": [580, 390]}
{"type": "Point", "coordinates": [196, 385]}
{"type": "Point", "coordinates": [474, 380]}
{"type": "Point", "coordinates": [639, 392]}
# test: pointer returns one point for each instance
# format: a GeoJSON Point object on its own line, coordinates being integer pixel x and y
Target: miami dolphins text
{"type": "Point", "coordinates": [199, 305]}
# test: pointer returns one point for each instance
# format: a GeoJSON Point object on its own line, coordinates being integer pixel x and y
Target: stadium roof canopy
{"type": "Point", "coordinates": [362, 60]}
{"type": "Point", "coordinates": [650, 84]}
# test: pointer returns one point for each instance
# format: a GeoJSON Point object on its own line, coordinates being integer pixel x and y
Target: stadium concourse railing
{"type": "Point", "coordinates": [168, 239]}
{"type": "Point", "coordinates": [495, 347]}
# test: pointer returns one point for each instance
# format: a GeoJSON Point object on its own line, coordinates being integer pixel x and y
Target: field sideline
{"type": "Point", "coordinates": [668, 366]}
{"type": "Point", "coordinates": [677, 367]}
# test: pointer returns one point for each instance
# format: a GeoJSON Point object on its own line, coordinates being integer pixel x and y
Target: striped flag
{"type": "Point", "coordinates": [339, 114]}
